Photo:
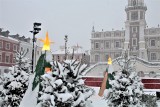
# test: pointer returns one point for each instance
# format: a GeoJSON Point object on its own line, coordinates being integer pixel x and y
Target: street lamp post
{"type": "Point", "coordinates": [66, 39]}
{"type": "Point", "coordinates": [35, 31]}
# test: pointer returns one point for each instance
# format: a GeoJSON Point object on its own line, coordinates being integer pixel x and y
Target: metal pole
{"type": "Point", "coordinates": [33, 52]}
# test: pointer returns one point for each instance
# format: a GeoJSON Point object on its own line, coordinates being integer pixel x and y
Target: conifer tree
{"type": "Point", "coordinates": [64, 86]}
{"type": "Point", "coordinates": [127, 88]}
{"type": "Point", "coordinates": [16, 81]}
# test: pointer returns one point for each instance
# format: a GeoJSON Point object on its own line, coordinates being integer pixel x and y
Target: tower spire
{"type": "Point", "coordinates": [93, 29]}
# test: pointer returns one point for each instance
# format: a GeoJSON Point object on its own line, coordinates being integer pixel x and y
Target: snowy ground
{"type": "Point", "coordinates": [100, 102]}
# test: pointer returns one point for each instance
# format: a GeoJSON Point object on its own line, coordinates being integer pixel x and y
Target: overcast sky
{"type": "Point", "coordinates": [74, 18]}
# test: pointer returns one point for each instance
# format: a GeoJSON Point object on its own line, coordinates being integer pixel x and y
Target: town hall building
{"type": "Point", "coordinates": [136, 38]}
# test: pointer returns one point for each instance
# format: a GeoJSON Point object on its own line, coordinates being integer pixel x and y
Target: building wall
{"type": "Point", "coordinates": [27, 47]}
{"type": "Point", "coordinates": [109, 43]}
{"type": "Point", "coordinates": [7, 54]}
{"type": "Point", "coordinates": [136, 38]}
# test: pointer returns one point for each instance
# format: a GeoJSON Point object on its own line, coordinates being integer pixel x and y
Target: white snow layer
{"type": "Point", "coordinates": [30, 97]}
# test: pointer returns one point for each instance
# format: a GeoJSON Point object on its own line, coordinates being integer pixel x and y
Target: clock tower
{"type": "Point", "coordinates": [135, 25]}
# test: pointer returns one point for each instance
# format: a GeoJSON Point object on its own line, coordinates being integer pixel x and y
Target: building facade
{"type": "Point", "coordinates": [10, 45]}
{"type": "Point", "coordinates": [8, 49]}
{"type": "Point", "coordinates": [79, 54]}
{"type": "Point", "coordinates": [136, 38]}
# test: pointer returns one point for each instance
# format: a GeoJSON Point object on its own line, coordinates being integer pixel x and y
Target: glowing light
{"type": "Point", "coordinates": [47, 42]}
{"type": "Point", "coordinates": [109, 61]}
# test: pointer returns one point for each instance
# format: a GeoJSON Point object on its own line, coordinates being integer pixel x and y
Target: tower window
{"type": "Point", "coordinates": [141, 15]}
{"type": "Point", "coordinates": [134, 2]}
{"type": "Point", "coordinates": [134, 29]}
{"type": "Point", "coordinates": [134, 15]}
{"type": "Point", "coordinates": [153, 43]}
{"type": "Point", "coordinates": [134, 41]}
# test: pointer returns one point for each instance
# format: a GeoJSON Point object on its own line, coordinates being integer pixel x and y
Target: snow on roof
{"type": "Point", "coordinates": [9, 38]}
{"type": "Point", "coordinates": [69, 51]}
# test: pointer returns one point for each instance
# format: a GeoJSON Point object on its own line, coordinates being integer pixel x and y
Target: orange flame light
{"type": "Point", "coordinates": [47, 42]}
{"type": "Point", "coordinates": [109, 61]}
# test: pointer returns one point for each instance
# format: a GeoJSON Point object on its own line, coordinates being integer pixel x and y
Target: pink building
{"type": "Point", "coordinates": [8, 48]}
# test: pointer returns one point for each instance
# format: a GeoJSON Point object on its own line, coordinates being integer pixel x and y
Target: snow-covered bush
{"type": "Point", "coordinates": [127, 88]}
{"type": "Point", "coordinates": [64, 86]}
{"type": "Point", "coordinates": [16, 82]}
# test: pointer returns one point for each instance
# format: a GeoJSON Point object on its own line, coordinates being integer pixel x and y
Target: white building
{"type": "Point", "coordinates": [137, 38]}
{"type": "Point", "coordinates": [79, 54]}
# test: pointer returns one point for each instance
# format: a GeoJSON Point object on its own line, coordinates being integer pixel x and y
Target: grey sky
{"type": "Point", "coordinates": [72, 17]}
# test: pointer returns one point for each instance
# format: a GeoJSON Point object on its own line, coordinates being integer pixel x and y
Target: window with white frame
{"type": "Point", "coordinates": [153, 42]}
{"type": "Point", "coordinates": [97, 58]}
{"type": "Point", "coordinates": [8, 46]}
{"type": "Point", "coordinates": [97, 45]}
{"type": "Point", "coordinates": [14, 47]}
{"type": "Point", "coordinates": [107, 44]}
{"type": "Point", "coordinates": [1, 44]}
{"type": "Point", "coordinates": [153, 56]}
{"type": "Point", "coordinates": [7, 59]}
{"type": "Point", "coordinates": [117, 44]}
{"type": "Point", "coordinates": [134, 41]}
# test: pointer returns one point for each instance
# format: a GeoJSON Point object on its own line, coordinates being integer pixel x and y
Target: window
{"type": "Point", "coordinates": [153, 43]}
{"type": "Point", "coordinates": [127, 15]}
{"type": "Point", "coordinates": [153, 56]}
{"type": "Point", "coordinates": [1, 44]}
{"type": "Point", "coordinates": [141, 15]}
{"type": "Point", "coordinates": [134, 2]}
{"type": "Point", "coordinates": [134, 15]}
{"type": "Point", "coordinates": [14, 47]}
{"type": "Point", "coordinates": [107, 45]}
{"type": "Point", "coordinates": [134, 41]}
{"type": "Point", "coordinates": [97, 58]}
{"type": "Point", "coordinates": [117, 44]}
{"type": "Point", "coordinates": [107, 57]}
{"type": "Point", "coordinates": [0, 57]}
{"type": "Point", "coordinates": [97, 45]}
{"type": "Point", "coordinates": [134, 29]}
{"type": "Point", "coordinates": [7, 46]}
{"type": "Point", "coordinates": [7, 59]}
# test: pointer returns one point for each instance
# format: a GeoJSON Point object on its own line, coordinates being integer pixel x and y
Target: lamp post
{"type": "Point", "coordinates": [66, 39]}
{"type": "Point", "coordinates": [35, 31]}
